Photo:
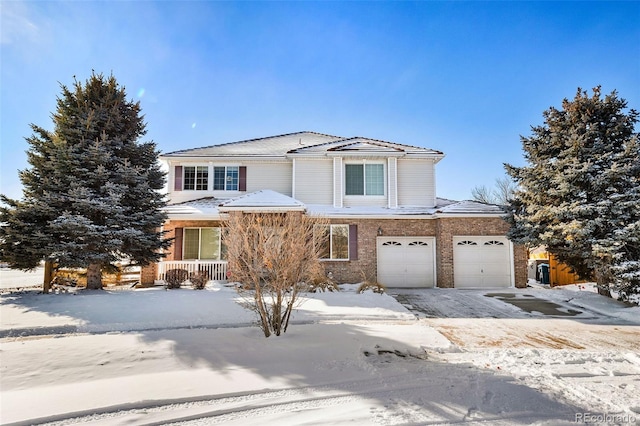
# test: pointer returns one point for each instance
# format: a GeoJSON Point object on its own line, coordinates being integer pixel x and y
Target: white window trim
{"type": "Point", "coordinates": [184, 241]}
{"type": "Point", "coordinates": [226, 167]}
{"type": "Point", "coordinates": [196, 165]}
{"type": "Point", "coordinates": [330, 259]}
{"type": "Point", "coordinates": [364, 174]}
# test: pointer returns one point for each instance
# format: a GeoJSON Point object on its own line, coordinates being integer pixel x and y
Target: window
{"type": "Point", "coordinates": [494, 243]}
{"type": "Point", "coordinates": [364, 179]}
{"type": "Point", "coordinates": [195, 178]}
{"type": "Point", "coordinates": [225, 178]}
{"type": "Point", "coordinates": [201, 243]}
{"type": "Point", "coordinates": [334, 240]}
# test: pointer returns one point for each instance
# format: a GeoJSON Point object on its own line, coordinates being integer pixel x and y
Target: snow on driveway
{"type": "Point", "coordinates": [191, 357]}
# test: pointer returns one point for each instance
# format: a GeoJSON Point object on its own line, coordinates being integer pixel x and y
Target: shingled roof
{"type": "Point", "coordinates": [301, 143]}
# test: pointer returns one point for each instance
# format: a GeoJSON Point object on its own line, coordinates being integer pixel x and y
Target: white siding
{"type": "Point", "coordinates": [392, 185]}
{"type": "Point", "coordinates": [275, 175]}
{"type": "Point", "coordinates": [269, 175]}
{"type": "Point", "coordinates": [337, 182]}
{"type": "Point", "coordinates": [416, 183]}
{"type": "Point", "coordinates": [314, 181]}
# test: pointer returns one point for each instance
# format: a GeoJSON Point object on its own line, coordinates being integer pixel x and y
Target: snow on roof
{"type": "Point", "coordinates": [300, 143]}
{"type": "Point", "coordinates": [197, 209]}
{"type": "Point", "coordinates": [268, 146]}
{"type": "Point", "coordinates": [264, 199]}
{"type": "Point", "coordinates": [268, 200]}
{"type": "Point", "coordinates": [471, 207]}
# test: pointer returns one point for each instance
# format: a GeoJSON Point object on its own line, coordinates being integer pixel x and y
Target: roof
{"type": "Point", "coordinates": [303, 143]}
{"type": "Point", "coordinates": [365, 145]}
{"type": "Point", "coordinates": [269, 146]}
{"type": "Point", "coordinates": [265, 199]}
{"type": "Point", "coordinates": [272, 201]}
{"type": "Point", "coordinates": [471, 207]}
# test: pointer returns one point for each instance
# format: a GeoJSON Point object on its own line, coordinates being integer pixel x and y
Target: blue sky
{"type": "Point", "coordinates": [466, 78]}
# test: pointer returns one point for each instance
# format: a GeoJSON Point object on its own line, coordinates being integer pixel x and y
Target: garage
{"type": "Point", "coordinates": [406, 261]}
{"type": "Point", "coordinates": [481, 262]}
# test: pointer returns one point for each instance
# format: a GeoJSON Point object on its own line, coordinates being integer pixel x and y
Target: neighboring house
{"type": "Point", "coordinates": [379, 197]}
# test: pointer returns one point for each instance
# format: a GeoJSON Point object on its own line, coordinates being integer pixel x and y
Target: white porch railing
{"type": "Point", "coordinates": [216, 269]}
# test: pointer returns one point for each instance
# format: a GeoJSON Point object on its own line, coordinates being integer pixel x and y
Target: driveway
{"type": "Point", "coordinates": [510, 303]}
{"type": "Point", "coordinates": [526, 318]}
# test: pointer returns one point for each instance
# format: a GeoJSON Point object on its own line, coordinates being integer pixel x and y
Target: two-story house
{"type": "Point", "coordinates": [380, 199]}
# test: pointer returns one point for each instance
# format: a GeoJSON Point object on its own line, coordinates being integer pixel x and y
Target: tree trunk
{"type": "Point", "coordinates": [94, 277]}
{"type": "Point", "coordinates": [603, 280]}
{"type": "Point", "coordinates": [48, 276]}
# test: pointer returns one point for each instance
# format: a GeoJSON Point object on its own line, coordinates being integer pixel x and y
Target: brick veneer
{"type": "Point", "coordinates": [352, 271]}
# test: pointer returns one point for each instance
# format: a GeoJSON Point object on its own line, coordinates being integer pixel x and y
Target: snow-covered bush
{"type": "Point", "coordinates": [175, 277]}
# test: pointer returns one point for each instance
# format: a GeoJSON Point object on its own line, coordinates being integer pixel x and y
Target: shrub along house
{"type": "Point", "coordinates": [379, 197]}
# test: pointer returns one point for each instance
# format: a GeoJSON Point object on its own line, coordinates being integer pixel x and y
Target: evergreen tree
{"type": "Point", "coordinates": [579, 195]}
{"type": "Point", "coordinates": [90, 197]}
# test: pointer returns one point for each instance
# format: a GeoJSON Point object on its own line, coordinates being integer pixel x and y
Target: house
{"type": "Point", "coordinates": [379, 197]}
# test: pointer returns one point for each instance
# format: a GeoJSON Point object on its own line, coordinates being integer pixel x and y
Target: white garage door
{"type": "Point", "coordinates": [481, 262]}
{"type": "Point", "coordinates": [406, 261]}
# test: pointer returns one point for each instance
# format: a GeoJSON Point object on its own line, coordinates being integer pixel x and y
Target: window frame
{"type": "Point", "coordinates": [330, 236]}
{"type": "Point", "coordinates": [226, 178]}
{"type": "Point", "coordinates": [365, 184]}
{"type": "Point", "coordinates": [184, 243]}
{"type": "Point", "coordinates": [196, 184]}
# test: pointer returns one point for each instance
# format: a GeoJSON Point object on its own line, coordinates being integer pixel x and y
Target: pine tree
{"type": "Point", "coordinates": [579, 195]}
{"type": "Point", "coordinates": [90, 197]}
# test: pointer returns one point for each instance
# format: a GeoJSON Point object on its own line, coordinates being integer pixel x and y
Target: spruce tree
{"type": "Point", "coordinates": [579, 195]}
{"type": "Point", "coordinates": [90, 197]}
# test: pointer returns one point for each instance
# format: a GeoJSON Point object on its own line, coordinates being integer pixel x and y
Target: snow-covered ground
{"type": "Point", "coordinates": [193, 357]}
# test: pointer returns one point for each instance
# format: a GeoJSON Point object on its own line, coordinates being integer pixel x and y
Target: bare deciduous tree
{"type": "Point", "coordinates": [273, 256]}
{"type": "Point", "coordinates": [500, 195]}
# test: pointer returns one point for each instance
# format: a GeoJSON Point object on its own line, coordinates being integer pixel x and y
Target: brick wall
{"type": "Point", "coordinates": [444, 229]}
{"type": "Point", "coordinates": [447, 228]}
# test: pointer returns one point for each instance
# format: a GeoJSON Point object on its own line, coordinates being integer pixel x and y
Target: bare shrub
{"type": "Point", "coordinates": [175, 277]}
{"type": "Point", "coordinates": [322, 283]}
{"type": "Point", "coordinates": [273, 256]}
{"type": "Point", "coordinates": [199, 279]}
{"type": "Point", "coordinates": [370, 282]}
{"type": "Point", "coordinates": [374, 286]}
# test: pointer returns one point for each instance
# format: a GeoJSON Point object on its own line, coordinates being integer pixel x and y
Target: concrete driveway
{"type": "Point", "coordinates": [529, 303]}
{"type": "Point", "coordinates": [528, 318]}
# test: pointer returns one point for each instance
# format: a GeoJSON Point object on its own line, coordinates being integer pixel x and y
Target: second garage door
{"type": "Point", "coordinates": [406, 261]}
{"type": "Point", "coordinates": [481, 262]}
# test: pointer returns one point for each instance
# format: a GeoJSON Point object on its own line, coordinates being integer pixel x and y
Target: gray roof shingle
{"type": "Point", "coordinates": [298, 143]}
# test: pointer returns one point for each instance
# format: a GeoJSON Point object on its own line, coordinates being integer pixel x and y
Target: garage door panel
{"type": "Point", "coordinates": [406, 261]}
{"type": "Point", "coordinates": [481, 262]}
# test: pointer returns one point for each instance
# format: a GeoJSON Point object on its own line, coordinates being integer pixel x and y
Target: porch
{"type": "Point", "coordinates": [215, 269]}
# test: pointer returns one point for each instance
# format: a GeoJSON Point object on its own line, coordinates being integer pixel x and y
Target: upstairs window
{"type": "Point", "coordinates": [196, 178]}
{"type": "Point", "coordinates": [226, 178]}
{"type": "Point", "coordinates": [364, 179]}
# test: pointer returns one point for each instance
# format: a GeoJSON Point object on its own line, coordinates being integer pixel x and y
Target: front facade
{"type": "Point", "coordinates": [385, 219]}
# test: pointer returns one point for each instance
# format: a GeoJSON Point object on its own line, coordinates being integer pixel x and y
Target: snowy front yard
{"type": "Point", "coordinates": [192, 357]}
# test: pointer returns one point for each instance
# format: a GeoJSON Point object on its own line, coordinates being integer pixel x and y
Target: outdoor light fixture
{"type": "Point", "coordinates": [379, 231]}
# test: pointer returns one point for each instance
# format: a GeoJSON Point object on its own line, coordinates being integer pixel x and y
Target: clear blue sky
{"type": "Point", "coordinates": [466, 78]}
